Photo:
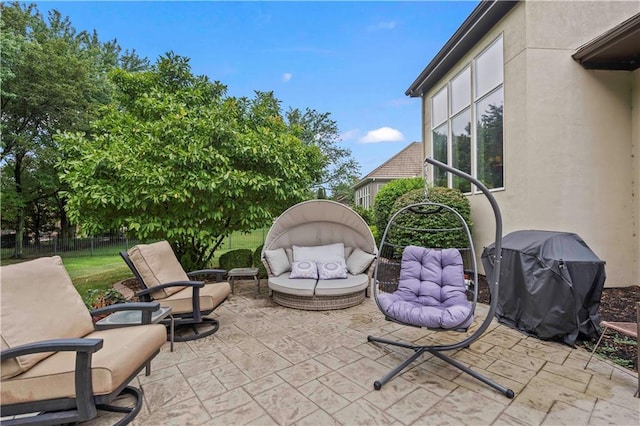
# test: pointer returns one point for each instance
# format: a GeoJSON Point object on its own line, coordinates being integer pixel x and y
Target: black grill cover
{"type": "Point", "coordinates": [550, 284]}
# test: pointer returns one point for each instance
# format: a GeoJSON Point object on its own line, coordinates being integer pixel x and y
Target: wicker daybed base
{"type": "Point", "coordinates": [318, 303]}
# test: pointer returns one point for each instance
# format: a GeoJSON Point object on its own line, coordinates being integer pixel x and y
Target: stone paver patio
{"type": "Point", "coordinates": [269, 365]}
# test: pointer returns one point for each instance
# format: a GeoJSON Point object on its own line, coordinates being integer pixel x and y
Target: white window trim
{"type": "Point", "coordinates": [472, 105]}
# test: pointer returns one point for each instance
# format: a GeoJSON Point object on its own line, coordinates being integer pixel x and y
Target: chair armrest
{"type": "Point", "coordinates": [55, 345]}
{"type": "Point", "coordinates": [84, 349]}
{"type": "Point", "coordinates": [267, 267]}
{"type": "Point", "coordinates": [219, 273]}
{"type": "Point", "coordinates": [195, 284]}
{"type": "Point", "coordinates": [134, 306]}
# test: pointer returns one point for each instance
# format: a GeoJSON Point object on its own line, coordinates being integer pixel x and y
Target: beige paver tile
{"type": "Point", "coordinates": [372, 350]}
{"type": "Point", "coordinates": [265, 420]}
{"type": "Point", "coordinates": [262, 364]}
{"type": "Point", "coordinates": [186, 413]}
{"type": "Point", "coordinates": [316, 418]}
{"type": "Point", "coordinates": [565, 414]}
{"type": "Point", "coordinates": [481, 347]}
{"type": "Point", "coordinates": [158, 374]}
{"type": "Point", "coordinates": [413, 406]}
{"type": "Point", "coordinates": [164, 359]}
{"type": "Point", "coordinates": [517, 358]}
{"type": "Point", "coordinates": [252, 347]}
{"type": "Point", "coordinates": [263, 384]}
{"type": "Point", "coordinates": [285, 404]}
{"type": "Point", "coordinates": [476, 385]}
{"type": "Point", "coordinates": [618, 391]}
{"type": "Point", "coordinates": [301, 373]}
{"type": "Point", "coordinates": [512, 371]}
{"type": "Point", "coordinates": [343, 386]}
{"type": "Point", "coordinates": [606, 412]}
{"type": "Point", "coordinates": [507, 420]}
{"type": "Point", "coordinates": [549, 351]}
{"type": "Point", "coordinates": [467, 407]}
{"type": "Point", "coordinates": [391, 392]}
{"type": "Point", "coordinates": [364, 372]}
{"type": "Point", "coordinates": [574, 374]}
{"type": "Point", "coordinates": [242, 415]}
{"type": "Point", "coordinates": [200, 364]}
{"type": "Point", "coordinates": [323, 396]}
{"type": "Point", "coordinates": [502, 337]}
{"type": "Point", "coordinates": [230, 376]}
{"type": "Point", "coordinates": [472, 358]}
{"type": "Point", "coordinates": [205, 345]}
{"type": "Point", "coordinates": [164, 393]}
{"type": "Point", "coordinates": [362, 412]}
{"type": "Point", "coordinates": [430, 381]}
{"type": "Point", "coordinates": [441, 368]}
{"type": "Point", "coordinates": [232, 335]}
{"type": "Point", "coordinates": [337, 357]}
{"type": "Point", "coordinates": [227, 402]}
{"type": "Point", "coordinates": [206, 385]}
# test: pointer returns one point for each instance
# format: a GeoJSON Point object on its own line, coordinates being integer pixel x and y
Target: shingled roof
{"type": "Point", "coordinates": [406, 163]}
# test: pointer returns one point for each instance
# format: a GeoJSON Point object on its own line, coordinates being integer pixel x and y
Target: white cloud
{"type": "Point", "coordinates": [383, 134]}
{"type": "Point", "coordinates": [350, 135]}
{"type": "Point", "coordinates": [286, 76]}
{"type": "Point", "coordinates": [382, 25]}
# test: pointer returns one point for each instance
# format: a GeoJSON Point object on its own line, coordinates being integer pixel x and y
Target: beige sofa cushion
{"type": "Point", "coordinates": [157, 264]}
{"type": "Point", "coordinates": [351, 284]}
{"type": "Point", "coordinates": [124, 351]}
{"type": "Point", "coordinates": [38, 302]}
{"type": "Point", "coordinates": [294, 286]}
{"type": "Point", "coordinates": [211, 295]}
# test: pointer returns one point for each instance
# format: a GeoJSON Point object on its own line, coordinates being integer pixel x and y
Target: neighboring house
{"type": "Point", "coordinates": [541, 101]}
{"type": "Point", "coordinates": [407, 163]}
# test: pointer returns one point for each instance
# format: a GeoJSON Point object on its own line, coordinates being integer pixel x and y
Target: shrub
{"type": "Point", "coordinates": [257, 262]}
{"type": "Point", "coordinates": [446, 231]}
{"type": "Point", "coordinates": [240, 258]}
{"type": "Point", "coordinates": [97, 298]}
{"type": "Point", "coordinates": [366, 214]}
{"type": "Point", "coordinates": [383, 206]}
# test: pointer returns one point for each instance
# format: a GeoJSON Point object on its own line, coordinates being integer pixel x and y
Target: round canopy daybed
{"type": "Point", "coordinates": [319, 256]}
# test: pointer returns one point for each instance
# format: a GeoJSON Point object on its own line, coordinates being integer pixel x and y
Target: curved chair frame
{"type": "Point", "coordinates": [201, 326]}
{"type": "Point", "coordinates": [493, 283]}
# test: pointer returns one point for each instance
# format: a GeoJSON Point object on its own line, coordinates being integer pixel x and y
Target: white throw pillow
{"type": "Point", "coordinates": [332, 270]}
{"type": "Point", "coordinates": [328, 253]}
{"type": "Point", "coordinates": [359, 261]}
{"type": "Point", "coordinates": [347, 252]}
{"type": "Point", "coordinates": [304, 269]}
{"type": "Point", "coordinates": [278, 261]}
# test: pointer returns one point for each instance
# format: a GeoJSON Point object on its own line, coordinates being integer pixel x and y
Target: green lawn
{"type": "Point", "coordinates": [104, 267]}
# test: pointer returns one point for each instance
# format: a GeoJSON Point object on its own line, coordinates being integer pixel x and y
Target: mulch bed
{"type": "Point", "coordinates": [616, 304]}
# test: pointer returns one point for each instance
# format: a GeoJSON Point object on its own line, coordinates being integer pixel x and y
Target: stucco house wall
{"type": "Point", "coordinates": [571, 135]}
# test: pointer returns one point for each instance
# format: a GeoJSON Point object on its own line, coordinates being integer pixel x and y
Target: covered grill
{"type": "Point", "coordinates": [550, 284]}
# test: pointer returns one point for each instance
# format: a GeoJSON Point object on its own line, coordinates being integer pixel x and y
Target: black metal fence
{"type": "Point", "coordinates": [106, 244]}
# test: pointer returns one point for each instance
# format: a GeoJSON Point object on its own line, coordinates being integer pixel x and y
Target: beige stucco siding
{"type": "Point", "coordinates": [569, 133]}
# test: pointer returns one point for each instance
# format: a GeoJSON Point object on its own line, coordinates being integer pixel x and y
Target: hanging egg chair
{"type": "Point", "coordinates": [426, 276]}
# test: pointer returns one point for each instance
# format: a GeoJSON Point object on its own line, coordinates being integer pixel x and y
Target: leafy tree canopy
{"type": "Point", "coordinates": [53, 79]}
{"type": "Point", "coordinates": [175, 158]}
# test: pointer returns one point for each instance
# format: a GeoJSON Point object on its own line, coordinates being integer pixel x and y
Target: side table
{"type": "Point", "coordinates": [120, 318]}
{"type": "Point", "coordinates": [244, 272]}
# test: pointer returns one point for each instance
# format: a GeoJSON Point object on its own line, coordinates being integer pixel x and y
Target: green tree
{"type": "Point", "coordinates": [383, 207]}
{"type": "Point", "coordinates": [318, 129]}
{"type": "Point", "coordinates": [175, 158]}
{"type": "Point", "coordinates": [53, 78]}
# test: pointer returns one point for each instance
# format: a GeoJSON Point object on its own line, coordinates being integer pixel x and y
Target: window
{"type": "Point", "coordinates": [467, 125]}
{"type": "Point", "coordinates": [362, 197]}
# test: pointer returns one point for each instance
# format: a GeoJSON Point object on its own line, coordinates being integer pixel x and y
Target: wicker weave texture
{"type": "Point", "coordinates": [318, 303]}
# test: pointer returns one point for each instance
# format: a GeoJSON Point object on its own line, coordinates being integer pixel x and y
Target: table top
{"type": "Point", "coordinates": [135, 317]}
{"type": "Point", "coordinates": [239, 272]}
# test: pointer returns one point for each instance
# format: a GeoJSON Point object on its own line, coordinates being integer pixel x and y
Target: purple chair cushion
{"type": "Point", "coordinates": [431, 291]}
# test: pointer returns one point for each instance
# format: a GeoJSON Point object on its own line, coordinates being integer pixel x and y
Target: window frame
{"type": "Point", "coordinates": [474, 99]}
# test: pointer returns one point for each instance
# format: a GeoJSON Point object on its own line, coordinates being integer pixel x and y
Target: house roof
{"type": "Point", "coordinates": [615, 49]}
{"type": "Point", "coordinates": [406, 163]}
{"type": "Point", "coordinates": [480, 21]}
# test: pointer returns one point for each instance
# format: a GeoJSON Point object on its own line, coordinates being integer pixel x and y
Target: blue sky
{"type": "Point", "coordinates": [352, 59]}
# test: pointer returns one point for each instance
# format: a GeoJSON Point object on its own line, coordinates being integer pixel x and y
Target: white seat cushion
{"type": "Point", "coordinates": [351, 284]}
{"type": "Point", "coordinates": [295, 286]}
